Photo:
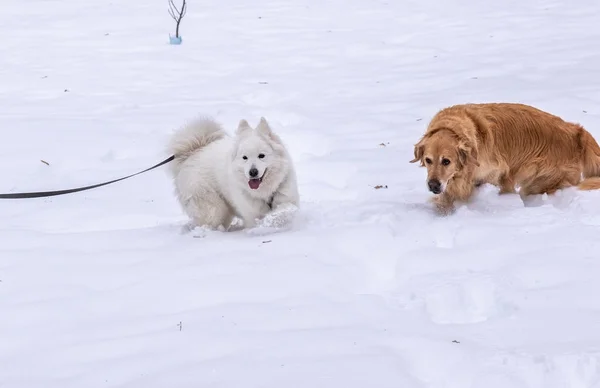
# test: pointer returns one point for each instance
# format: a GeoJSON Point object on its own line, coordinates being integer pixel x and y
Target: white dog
{"type": "Point", "coordinates": [217, 176]}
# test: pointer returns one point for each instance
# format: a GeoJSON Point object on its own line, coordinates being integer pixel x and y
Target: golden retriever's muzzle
{"type": "Point", "coordinates": [435, 186]}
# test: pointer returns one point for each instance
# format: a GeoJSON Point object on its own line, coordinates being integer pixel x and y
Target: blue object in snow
{"type": "Point", "coordinates": [174, 39]}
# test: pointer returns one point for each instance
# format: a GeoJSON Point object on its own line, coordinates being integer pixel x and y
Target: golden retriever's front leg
{"type": "Point", "coordinates": [444, 204]}
{"type": "Point", "coordinates": [507, 185]}
{"type": "Point", "coordinates": [460, 190]}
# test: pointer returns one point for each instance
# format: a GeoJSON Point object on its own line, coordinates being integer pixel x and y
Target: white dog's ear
{"type": "Point", "coordinates": [243, 126]}
{"type": "Point", "coordinates": [263, 126]}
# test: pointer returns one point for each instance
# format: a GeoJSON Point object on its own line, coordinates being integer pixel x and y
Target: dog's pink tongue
{"type": "Point", "coordinates": [254, 183]}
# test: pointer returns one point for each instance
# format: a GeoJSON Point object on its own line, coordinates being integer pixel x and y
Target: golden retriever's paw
{"type": "Point", "coordinates": [504, 191]}
{"type": "Point", "coordinates": [443, 207]}
{"type": "Point", "coordinates": [533, 200]}
{"type": "Point", "coordinates": [445, 211]}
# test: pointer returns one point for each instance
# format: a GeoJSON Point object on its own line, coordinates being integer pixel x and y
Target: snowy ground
{"type": "Point", "coordinates": [369, 288]}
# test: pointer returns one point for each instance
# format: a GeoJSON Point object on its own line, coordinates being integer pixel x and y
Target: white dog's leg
{"type": "Point", "coordinates": [287, 194]}
{"type": "Point", "coordinates": [252, 216]}
{"type": "Point", "coordinates": [250, 210]}
{"type": "Point", "coordinates": [284, 206]}
{"type": "Point", "coordinates": [209, 211]}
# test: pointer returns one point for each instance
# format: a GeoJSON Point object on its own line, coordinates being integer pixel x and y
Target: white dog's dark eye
{"type": "Point", "coordinates": [427, 160]}
{"type": "Point", "coordinates": [245, 157]}
{"type": "Point", "coordinates": [445, 161]}
{"type": "Point", "coordinates": [260, 156]}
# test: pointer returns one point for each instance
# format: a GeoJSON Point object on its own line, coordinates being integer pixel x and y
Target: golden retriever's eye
{"type": "Point", "coordinates": [245, 157]}
{"type": "Point", "coordinates": [260, 156]}
{"type": "Point", "coordinates": [445, 161]}
{"type": "Point", "coordinates": [428, 161]}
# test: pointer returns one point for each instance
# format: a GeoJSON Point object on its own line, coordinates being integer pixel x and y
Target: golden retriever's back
{"type": "Point", "coordinates": [519, 133]}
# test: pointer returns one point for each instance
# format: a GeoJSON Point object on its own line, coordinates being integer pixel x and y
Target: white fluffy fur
{"type": "Point", "coordinates": [212, 178]}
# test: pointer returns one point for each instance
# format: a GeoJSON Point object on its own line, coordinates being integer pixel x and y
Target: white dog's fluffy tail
{"type": "Point", "coordinates": [193, 136]}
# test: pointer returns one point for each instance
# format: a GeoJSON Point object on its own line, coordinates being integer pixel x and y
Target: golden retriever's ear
{"type": "Point", "coordinates": [419, 149]}
{"type": "Point", "coordinates": [467, 154]}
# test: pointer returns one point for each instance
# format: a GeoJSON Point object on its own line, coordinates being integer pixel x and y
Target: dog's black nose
{"type": "Point", "coordinates": [434, 186]}
{"type": "Point", "coordinates": [253, 172]}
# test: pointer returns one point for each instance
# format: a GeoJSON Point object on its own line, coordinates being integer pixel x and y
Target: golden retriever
{"type": "Point", "coordinates": [507, 145]}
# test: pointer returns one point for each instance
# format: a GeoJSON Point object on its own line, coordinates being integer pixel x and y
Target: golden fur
{"type": "Point", "coordinates": [506, 145]}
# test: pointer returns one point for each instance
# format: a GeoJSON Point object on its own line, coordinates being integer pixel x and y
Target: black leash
{"type": "Point", "coordinates": [40, 194]}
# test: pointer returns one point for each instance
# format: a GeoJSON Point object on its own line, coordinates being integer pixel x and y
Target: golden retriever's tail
{"type": "Point", "coordinates": [590, 184]}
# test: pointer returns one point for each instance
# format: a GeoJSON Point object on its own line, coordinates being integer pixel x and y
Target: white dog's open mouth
{"type": "Point", "coordinates": [255, 182]}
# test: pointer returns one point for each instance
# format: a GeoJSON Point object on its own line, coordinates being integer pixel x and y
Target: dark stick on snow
{"type": "Point", "coordinates": [180, 14]}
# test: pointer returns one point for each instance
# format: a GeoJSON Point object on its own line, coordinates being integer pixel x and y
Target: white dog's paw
{"type": "Point", "coordinates": [281, 217]}
{"type": "Point", "coordinates": [276, 220]}
{"type": "Point", "coordinates": [201, 231]}
{"type": "Point", "coordinates": [204, 231]}
{"type": "Point", "coordinates": [187, 227]}
{"type": "Point", "coordinates": [236, 225]}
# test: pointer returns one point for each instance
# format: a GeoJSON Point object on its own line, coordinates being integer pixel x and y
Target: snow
{"type": "Point", "coordinates": [368, 288]}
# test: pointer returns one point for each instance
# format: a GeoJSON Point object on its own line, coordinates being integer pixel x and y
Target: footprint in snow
{"type": "Point", "coordinates": [498, 379]}
{"type": "Point", "coordinates": [444, 232]}
{"type": "Point", "coordinates": [462, 302]}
